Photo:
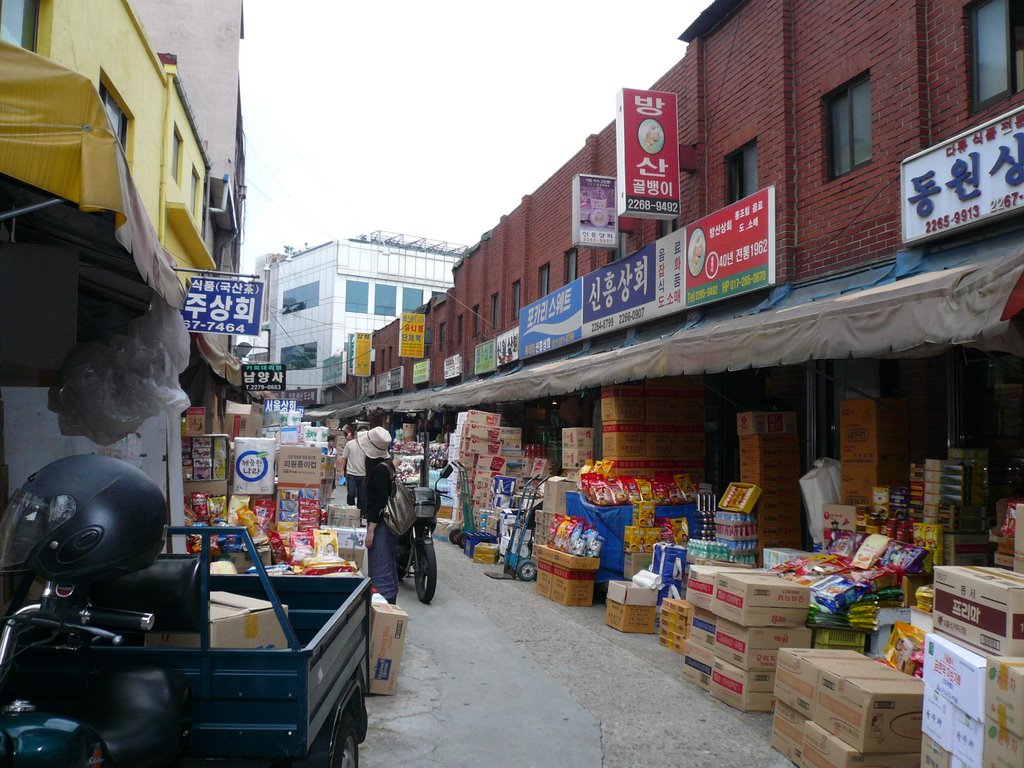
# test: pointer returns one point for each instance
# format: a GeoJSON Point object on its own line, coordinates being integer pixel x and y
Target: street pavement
{"type": "Point", "coordinates": [494, 675]}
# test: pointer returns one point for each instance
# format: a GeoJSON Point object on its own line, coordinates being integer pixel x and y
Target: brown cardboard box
{"type": "Point", "coordinates": [839, 517]}
{"type": "Point", "coordinates": [823, 750]}
{"type": "Point", "coordinates": [873, 431]}
{"type": "Point", "coordinates": [486, 418]}
{"type": "Point", "coordinates": [555, 489]}
{"type": "Point", "coordinates": [760, 600]}
{"type": "Point", "coordinates": [581, 438]}
{"type": "Point", "coordinates": [211, 488]}
{"type": "Point", "coordinates": [624, 403]}
{"type": "Point", "coordinates": [965, 549]}
{"type": "Point", "coordinates": [765, 422]}
{"type": "Point", "coordinates": [747, 691]}
{"type": "Point", "coordinates": [482, 432]}
{"type": "Point", "coordinates": [635, 562]}
{"type": "Point", "coordinates": [698, 663]}
{"type": "Point", "coordinates": [933, 755]}
{"type": "Point", "coordinates": [798, 670]}
{"type": "Point", "coordinates": [857, 481]}
{"type": "Point", "coordinates": [624, 440]}
{"type": "Point", "coordinates": [1003, 748]}
{"type": "Point", "coordinates": [236, 621]}
{"type": "Point", "coordinates": [788, 732]}
{"type": "Point", "coordinates": [1004, 693]}
{"type": "Point", "coordinates": [298, 466]}
{"type": "Point", "coordinates": [630, 608]}
{"type": "Point", "coordinates": [565, 578]}
{"type": "Point", "coordinates": [981, 607]}
{"type": "Point", "coordinates": [704, 627]}
{"type": "Point", "coordinates": [700, 584]}
{"type": "Point", "coordinates": [756, 647]}
{"type": "Point", "coordinates": [389, 625]}
{"type": "Point", "coordinates": [911, 583]}
{"type": "Point", "coordinates": [871, 714]}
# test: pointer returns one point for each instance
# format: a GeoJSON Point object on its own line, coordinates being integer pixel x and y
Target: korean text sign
{"type": "Point", "coordinates": [647, 154]}
{"type": "Point", "coordinates": [507, 347]}
{"type": "Point", "coordinates": [453, 366]}
{"type": "Point", "coordinates": [553, 321]}
{"type": "Point", "coordinates": [731, 251]}
{"type": "Point", "coordinates": [263, 377]}
{"type": "Point", "coordinates": [220, 305]}
{"type": "Point", "coordinates": [410, 343]}
{"type": "Point", "coordinates": [974, 177]}
{"type": "Point", "coordinates": [594, 222]}
{"type": "Point", "coordinates": [361, 359]}
{"type": "Point", "coordinates": [421, 372]}
{"type": "Point", "coordinates": [484, 359]}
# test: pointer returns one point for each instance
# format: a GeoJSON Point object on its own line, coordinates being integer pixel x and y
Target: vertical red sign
{"type": "Point", "coordinates": [647, 154]}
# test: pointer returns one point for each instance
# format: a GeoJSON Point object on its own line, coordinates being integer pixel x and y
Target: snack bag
{"type": "Point", "coordinates": [278, 551]}
{"type": "Point", "coordinates": [631, 488]}
{"type": "Point", "coordinates": [905, 650]}
{"type": "Point", "coordinates": [686, 487]}
{"type": "Point", "coordinates": [646, 492]}
{"type": "Point", "coordinates": [287, 511]}
{"type": "Point", "coordinates": [325, 544]}
{"type": "Point", "coordinates": [218, 510]}
{"type": "Point", "coordinates": [618, 490]}
{"type": "Point", "coordinates": [301, 546]}
{"type": "Point", "coordinates": [660, 491]}
{"type": "Point", "coordinates": [235, 504]}
{"type": "Point", "coordinates": [594, 542]}
{"type": "Point", "coordinates": [675, 495]}
{"type": "Point", "coordinates": [264, 509]}
{"type": "Point", "coordinates": [562, 534]}
{"type": "Point", "coordinates": [602, 492]}
{"type": "Point", "coordinates": [316, 566]}
{"type": "Point", "coordinates": [577, 544]}
{"type": "Point", "coordinates": [200, 508]}
{"type": "Point", "coordinates": [871, 551]}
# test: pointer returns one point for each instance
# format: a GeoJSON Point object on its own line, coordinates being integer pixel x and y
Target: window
{"type": "Point", "coordinates": [571, 259]}
{"type": "Point", "coordinates": [176, 156]}
{"type": "Point", "coordinates": [476, 320]}
{"type": "Point", "coordinates": [18, 22]}
{"type": "Point", "coordinates": [304, 297]}
{"type": "Point", "coordinates": [543, 277]}
{"type": "Point", "coordinates": [495, 317]}
{"type": "Point", "coordinates": [357, 296]}
{"type": "Point", "coordinates": [458, 331]}
{"type": "Point", "coordinates": [385, 300]}
{"type": "Point", "coordinates": [997, 50]}
{"type": "Point", "coordinates": [412, 299]}
{"type": "Point", "coordinates": [444, 336]}
{"type": "Point", "coordinates": [116, 115]}
{"type": "Point", "coordinates": [299, 357]}
{"type": "Point", "coordinates": [741, 168]}
{"type": "Point", "coordinates": [195, 191]}
{"type": "Point", "coordinates": [517, 298]}
{"type": "Point", "coordinates": [849, 127]}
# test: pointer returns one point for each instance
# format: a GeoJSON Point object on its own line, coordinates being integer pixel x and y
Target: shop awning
{"type": "Point", "coordinates": [55, 136]}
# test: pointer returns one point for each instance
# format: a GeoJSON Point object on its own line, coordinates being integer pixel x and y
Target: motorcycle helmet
{"type": "Point", "coordinates": [81, 517]}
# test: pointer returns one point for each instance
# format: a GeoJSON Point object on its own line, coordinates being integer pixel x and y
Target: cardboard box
{"type": "Point", "coordinates": [298, 466]}
{"type": "Point", "coordinates": [475, 445]}
{"type": "Point", "coordinates": [210, 488]}
{"type": "Point", "coordinates": [623, 403]}
{"type": "Point", "coordinates": [574, 458]}
{"type": "Point", "coordinates": [481, 432]}
{"type": "Point", "coordinates": [1003, 748]}
{"type": "Point", "coordinates": [838, 517]}
{"type": "Point", "coordinates": [760, 600]}
{"type": "Point", "coordinates": [555, 489]}
{"type": "Point", "coordinates": [485, 418]}
{"type": "Point", "coordinates": [797, 673]}
{"type": "Point", "coordinates": [765, 422]}
{"type": "Point", "coordinates": [873, 430]}
{"type": "Point", "coordinates": [934, 755]}
{"type": "Point", "coordinates": [698, 663]}
{"type": "Point", "coordinates": [823, 750]}
{"type": "Point", "coordinates": [957, 673]}
{"type": "Point", "coordinates": [965, 549]}
{"type": "Point", "coordinates": [565, 578]}
{"type": "Point", "coordinates": [968, 738]}
{"type": "Point", "coordinates": [628, 617]}
{"type": "Point", "coordinates": [627, 593]}
{"type": "Point", "coordinates": [756, 647]}
{"type": "Point", "coordinates": [881, 715]}
{"type": "Point", "coordinates": [747, 691]}
{"type": "Point", "coordinates": [389, 625]}
{"type": "Point", "coordinates": [236, 621]}
{"type": "Point", "coordinates": [937, 718]}
{"type": "Point", "coordinates": [635, 562]}
{"type": "Point", "coordinates": [624, 440]}
{"type": "Point", "coordinates": [700, 584]}
{"type": "Point", "coordinates": [578, 437]}
{"type": "Point", "coordinates": [788, 732]}
{"type": "Point", "coordinates": [982, 607]}
{"type": "Point", "coordinates": [856, 481]}
{"type": "Point", "coordinates": [1004, 693]}
{"type": "Point", "coordinates": [773, 556]}
{"type": "Point", "coordinates": [703, 627]}
{"type": "Point", "coordinates": [195, 421]}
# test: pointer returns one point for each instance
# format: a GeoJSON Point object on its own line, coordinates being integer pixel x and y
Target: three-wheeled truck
{"type": "Point", "coordinates": [81, 685]}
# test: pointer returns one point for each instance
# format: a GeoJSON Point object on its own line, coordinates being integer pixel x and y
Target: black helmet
{"type": "Point", "coordinates": [83, 516]}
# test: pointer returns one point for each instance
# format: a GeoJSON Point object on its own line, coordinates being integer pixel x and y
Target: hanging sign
{"type": "Point", "coordinates": [410, 342]}
{"type": "Point", "coordinates": [273, 406]}
{"type": "Point", "coordinates": [552, 322]}
{"type": "Point", "coordinates": [219, 305]}
{"type": "Point", "coordinates": [594, 223]}
{"type": "Point", "coordinates": [507, 347]}
{"type": "Point", "coordinates": [453, 366]}
{"type": "Point", "coordinates": [263, 377]}
{"type": "Point", "coordinates": [361, 359]}
{"type": "Point", "coordinates": [647, 154]}
{"type": "Point", "coordinates": [484, 358]}
{"type": "Point", "coordinates": [421, 372]}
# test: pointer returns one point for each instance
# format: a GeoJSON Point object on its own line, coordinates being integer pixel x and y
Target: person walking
{"type": "Point", "coordinates": [380, 541]}
{"type": "Point", "coordinates": [352, 465]}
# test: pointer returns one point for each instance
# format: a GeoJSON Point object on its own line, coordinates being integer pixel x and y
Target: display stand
{"type": "Point", "coordinates": [611, 523]}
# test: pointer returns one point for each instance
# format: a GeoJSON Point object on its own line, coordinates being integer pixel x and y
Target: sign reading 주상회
{"type": "Point", "coordinates": [263, 377]}
{"type": "Point", "coordinates": [647, 154]}
{"type": "Point", "coordinates": [219, 305]}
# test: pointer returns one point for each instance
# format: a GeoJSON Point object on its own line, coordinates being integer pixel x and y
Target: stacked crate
{"type": "Point", "coordinates": [770, 459]}
{"type": "Point", "coordinates": [873, 448]}
{"type": "Point", "coordinates": [676, 618]}
{"type": "Point", "coordinates": [577, 450]}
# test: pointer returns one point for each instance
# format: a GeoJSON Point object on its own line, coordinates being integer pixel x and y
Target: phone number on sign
{"type": "Point", "coordinates": [940, 223]}
{"type": "Point", "coordinates": [640, 205]}
{"type": "Point", "coordinates": [213, 327]}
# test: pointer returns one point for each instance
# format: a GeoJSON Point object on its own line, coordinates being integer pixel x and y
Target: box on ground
{"type": "Point", "coordinates": [788, 732]}
{"type": "Point", "coordinates": [760, 600]}
{"type": "Point", "coordinates": [236, 621]}
{"type": "Point", "coordinates": [635, 562]}
{"type": "Point", "coordinates": [700, 584]}
{"type": "Point", "coordinates": [982, 607]}
{"type": "Point", "coordinates": [798, 672]}
{"type": "Point", "coordinates": [703, 627]}
{"type": "Point", "coordinates": [823, 750]}
{"type": "Point", "coordinates": [389, 625]}
{"type": "Point", "coordinates": [630, 608]}
{"type": "Point", "coordinates": [757, 647]}
{"type": "Point", "coordinates": [871, 714]}
{"type": "Point", "coordinates": [565, 578]}
{"type": "Point", "coordinates": [698, 663]}
{"type": "Point", "coordinates": [745, 690]}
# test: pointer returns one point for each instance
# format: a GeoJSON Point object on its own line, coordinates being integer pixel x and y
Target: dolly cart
{"type": "Point", "coordinates": [457, 536]}
{"type": "Point", "coordinates": [516, 564]}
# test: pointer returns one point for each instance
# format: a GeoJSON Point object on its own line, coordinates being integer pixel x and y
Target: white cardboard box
{"type": "Point", "coordinates": [957, 673]}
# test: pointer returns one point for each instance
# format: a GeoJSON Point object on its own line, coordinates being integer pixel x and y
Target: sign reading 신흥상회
{"type": "Point", "coordinates": [732, 251]}
{"type": "Point", "coordinates": [972, 178]}
{"type": "Point", "coordinates": [647, 154]}
{"type": "Point", "coordinates": [410, 342]}
{"type": "Point", "coordinates": [594, 223]}
{"type": "Point", "coordinates": [421, 372]}
{"type": "Point", "coordinates": [263, 377]}
{"type": "Point", "coordinates": [361, 357]}
{"type": "Point", "coordinates": [220, 305]}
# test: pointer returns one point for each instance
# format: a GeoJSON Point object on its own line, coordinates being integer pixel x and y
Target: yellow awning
{"type": "Point", "coordinates": [55, 135]}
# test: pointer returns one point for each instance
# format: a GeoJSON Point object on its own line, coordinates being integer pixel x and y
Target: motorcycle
{"type": "Point", "coordinates": [414, 550]}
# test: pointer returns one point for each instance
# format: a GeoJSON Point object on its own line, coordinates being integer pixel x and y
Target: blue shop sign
{"type": "Point", "coordinates": [218, 305]}
{"type": "Point", "coordinates": [552, 322]}
{"type": "Point", "coordinates": [619, 294]}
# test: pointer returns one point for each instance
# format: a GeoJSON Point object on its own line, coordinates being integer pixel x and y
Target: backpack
{"type": "Point", "coordinates": [400, 512]}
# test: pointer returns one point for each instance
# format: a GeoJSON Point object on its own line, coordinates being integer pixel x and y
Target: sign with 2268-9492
{"type": "Point", "coordinates": [220, 305]}
{"type": "Point", "coordinates": [263, 377]}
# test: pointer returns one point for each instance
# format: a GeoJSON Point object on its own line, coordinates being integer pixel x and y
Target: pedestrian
{"type": "Point", "coordinates": [380, 541]}
{"type": "Point", "coordinates": [352, 465]}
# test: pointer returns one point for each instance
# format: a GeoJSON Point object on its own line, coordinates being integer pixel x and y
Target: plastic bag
{"type": "Point", "coordinates": [818, 487]}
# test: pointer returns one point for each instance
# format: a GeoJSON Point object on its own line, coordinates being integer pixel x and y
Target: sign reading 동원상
{"type": "Point", "coordinates": [221, 305]}
{"type": "Point", "coordinates": [647, 154]}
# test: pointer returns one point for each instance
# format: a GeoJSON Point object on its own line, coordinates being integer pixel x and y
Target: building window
{"type": "Point", "coordinates": [385, 300]}
{"type": "Point", "coordinates": [849, 127]}
{"type": "Point", "coordinates": [517, 298]}
{"type": "Point", "coordinates": [299, 357]}
{"type": "Point", "coordinates": [412, 299]}
{"type": "Point", "coordinates": [458, 331]}
{"type": "Point", "coordinates": [997, 50]}
{"type": "Point", "coordinates": [495, 317]}
{"type": "Point", "coordinates": [18, 21]}
{"type": "Point", "coordinates": [304, 297]}
{"type": "Point", "coordinates": [357, 296]}
{"type": "Point", "coordinates": [476, 321]}
{"type": "Point", "coordinates": [443, 343]}
{"type": "Point", "coordinates": [741, 168]}
{"type": "Point", "coordinates": [571, 265]}
{"type": "Point", "coordinates": [116, 115]}
{"type": "Point", "coordinates": [176, 156]}
{"type": "Point", "coordinates": [195, 192]}
{"type": "Point", "coordinates": [543, 280]}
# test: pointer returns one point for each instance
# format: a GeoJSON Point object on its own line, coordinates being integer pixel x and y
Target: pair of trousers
{"type": "Point", "coordinates": [382, 566]}
{"type": "Point", "coordinates": [356, 489]}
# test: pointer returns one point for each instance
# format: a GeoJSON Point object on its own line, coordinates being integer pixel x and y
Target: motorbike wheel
{"type": "Point", "coordinates": [425, 571]}
{"type": "Point", "coordinates": [346, 752]}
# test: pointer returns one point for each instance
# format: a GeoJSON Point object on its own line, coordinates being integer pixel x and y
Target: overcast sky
{"type": "Point", "coordinates": [429, 119]}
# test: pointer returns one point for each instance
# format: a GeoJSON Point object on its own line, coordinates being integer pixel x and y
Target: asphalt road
{"type": "Point", "coordinates": [494, 675]}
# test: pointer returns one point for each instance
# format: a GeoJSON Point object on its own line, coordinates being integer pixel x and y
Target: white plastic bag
{"type": "Point", "coordinates": [818, 487]}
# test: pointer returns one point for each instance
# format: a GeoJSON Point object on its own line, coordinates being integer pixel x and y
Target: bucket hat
{"type": "Point", "coordinates": [376, 443]}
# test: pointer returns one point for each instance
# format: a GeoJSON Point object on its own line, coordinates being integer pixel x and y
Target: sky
{"type": "Point", "coordinates": [429, 119]}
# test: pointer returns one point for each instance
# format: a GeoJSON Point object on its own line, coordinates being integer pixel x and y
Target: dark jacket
{"type": "Point", "coordinates": [378, 487]}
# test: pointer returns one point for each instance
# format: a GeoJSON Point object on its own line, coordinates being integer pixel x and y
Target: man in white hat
{"type": "Point", "coordinates": [380, 542]}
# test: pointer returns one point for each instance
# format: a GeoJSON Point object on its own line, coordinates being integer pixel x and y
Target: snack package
{"type": "Point", "coordinates": [301, 546]}
{"type": "Point", "coordinates": [686, 487]}
{"type": "Point", "coordinates": [675, 494]}
{"type": "Point", "coordinates": [577, 543]}
{"type": "Point", "coordinates": [646, 492]}
{"type": "Point", "coordinates": [905, 650]}
{"type": "Point", "coordinates": [287, 510]}
{"type": "Point", "coordinates": [264, 509]}
{"type": "Point", "coordinates": [594, 542]}
{"type": "Point", "coordinates": [845, 543]}
{"type": "Point", "coordinates": [618, 491]}
{"type": "Point", "coordinates": [197, 512]}
{"type": "Point", "coordinates": [906, 557]}
{"type": "Point", "coordinates": [316, 566]}
{"type": "Point", "coordinates": [871, 551]}
{"type": "Point", "coordinates": [1009, 526]}
{"type": "Point", "coordinates": [643, 513]}
{"type": "Point", "coordinates": [235, 504]}
{"type": "Point", "coordinates": [660, 491]}
{"type": "Point", "coordinates": [325, 544]}
{"type": "Point", "coordinates": [563, 532]}
{"type": "Point", "coordinates": [278, 551]}
{"type": "Point", "coordinates": [632, 490]}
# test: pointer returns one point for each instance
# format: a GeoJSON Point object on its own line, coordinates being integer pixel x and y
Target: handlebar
{"type": "Point", "coordinates": [58, 625]}
{"type": "Point", "coordinates": [111, 617]}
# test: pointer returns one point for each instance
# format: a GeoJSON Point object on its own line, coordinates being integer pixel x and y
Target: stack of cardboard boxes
{"type": "Point", "coordinates": [873, 448]}
{"type": "Point", "coordinates": [699, 650]}
{"type": "Point", "coordinates": [564, 578]}
{"type": "Point", "coordinates": [676, 619]}
{"type": "Point", "coordinates": [577, 450]}
{"type": "Point", "coordinates": [486, 449]}
{"type": "Point", "coordinates": [770, 459]}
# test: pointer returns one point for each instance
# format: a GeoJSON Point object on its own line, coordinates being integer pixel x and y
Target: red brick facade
{"type": "Point", "coordinates": [761, 75]}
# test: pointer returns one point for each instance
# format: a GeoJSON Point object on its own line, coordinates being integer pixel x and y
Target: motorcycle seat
{"type": "Point", "coordinates": [169, 588]}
